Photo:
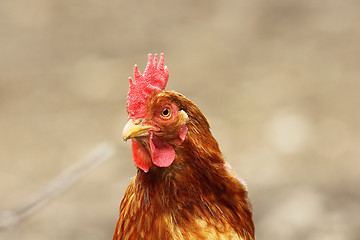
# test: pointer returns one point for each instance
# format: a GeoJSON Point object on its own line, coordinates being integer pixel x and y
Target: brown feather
{"type": "Point", "coordinates": [194, 198]}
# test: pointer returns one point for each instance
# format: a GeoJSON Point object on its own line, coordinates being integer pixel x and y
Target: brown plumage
{"type": "Point", "coordinates": [196, 196]}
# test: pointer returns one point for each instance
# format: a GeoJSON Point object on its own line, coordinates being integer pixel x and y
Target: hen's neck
{"type": "Point", "coordinates": [198, 169]}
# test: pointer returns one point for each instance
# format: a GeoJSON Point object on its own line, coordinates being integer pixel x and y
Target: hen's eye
{"type": "Point", "coordinates": [165, 112]}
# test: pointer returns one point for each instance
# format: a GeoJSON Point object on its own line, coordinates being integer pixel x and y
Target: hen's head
{"type": "Point", "coordinates": [157, 121]}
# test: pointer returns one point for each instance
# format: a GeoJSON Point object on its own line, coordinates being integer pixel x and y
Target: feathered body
{"type": "Point", "coordinates": [195, 197]}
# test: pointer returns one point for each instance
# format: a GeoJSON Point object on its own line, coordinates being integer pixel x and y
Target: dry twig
{"type": "Point", "coordinates": [58, 185]}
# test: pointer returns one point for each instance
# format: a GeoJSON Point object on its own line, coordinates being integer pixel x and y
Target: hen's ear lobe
{"type": "Point", "coordinates": [183, 118]}
{"type": "Point", "coordinates": [182, 134]}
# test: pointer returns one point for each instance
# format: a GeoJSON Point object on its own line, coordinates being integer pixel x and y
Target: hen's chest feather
{"type": "Point", "coordinates": [183, 214]}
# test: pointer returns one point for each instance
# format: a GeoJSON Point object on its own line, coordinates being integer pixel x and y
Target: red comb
{"type": "Point", "coordinates": [154, 79]}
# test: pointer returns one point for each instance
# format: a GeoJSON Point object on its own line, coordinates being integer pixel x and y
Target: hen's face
{"type": "Point", "coordinates": [155, 135]}
{"type": "Point", "coordinates": [164, 119]}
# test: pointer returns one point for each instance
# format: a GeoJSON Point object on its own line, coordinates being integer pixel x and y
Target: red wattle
{"type": "Point", "coordinates": [162, 154]}
{"type": "Point", "coordinates": [141, 157]}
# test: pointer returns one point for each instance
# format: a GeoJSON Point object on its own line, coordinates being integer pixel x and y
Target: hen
{"type": "Point", "coordinates": [183, 188]}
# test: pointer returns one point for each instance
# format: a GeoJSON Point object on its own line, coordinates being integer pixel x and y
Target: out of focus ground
{"type": "Point", "coordinates": [278, 80]}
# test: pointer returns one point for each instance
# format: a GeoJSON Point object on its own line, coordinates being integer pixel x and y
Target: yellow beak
{"type": "Point", "coordinates": [135, 128]}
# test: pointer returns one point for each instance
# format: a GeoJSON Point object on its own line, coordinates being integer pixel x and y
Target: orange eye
{"type": "Point", "coordinates": [165, 112]}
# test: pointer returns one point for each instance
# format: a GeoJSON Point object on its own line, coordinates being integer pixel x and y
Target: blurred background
{"type": "Point", "coordinates": [278, 80]}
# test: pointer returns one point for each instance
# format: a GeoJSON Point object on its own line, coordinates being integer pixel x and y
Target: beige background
{"type": "Point", "coordinates": [278, 80]}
